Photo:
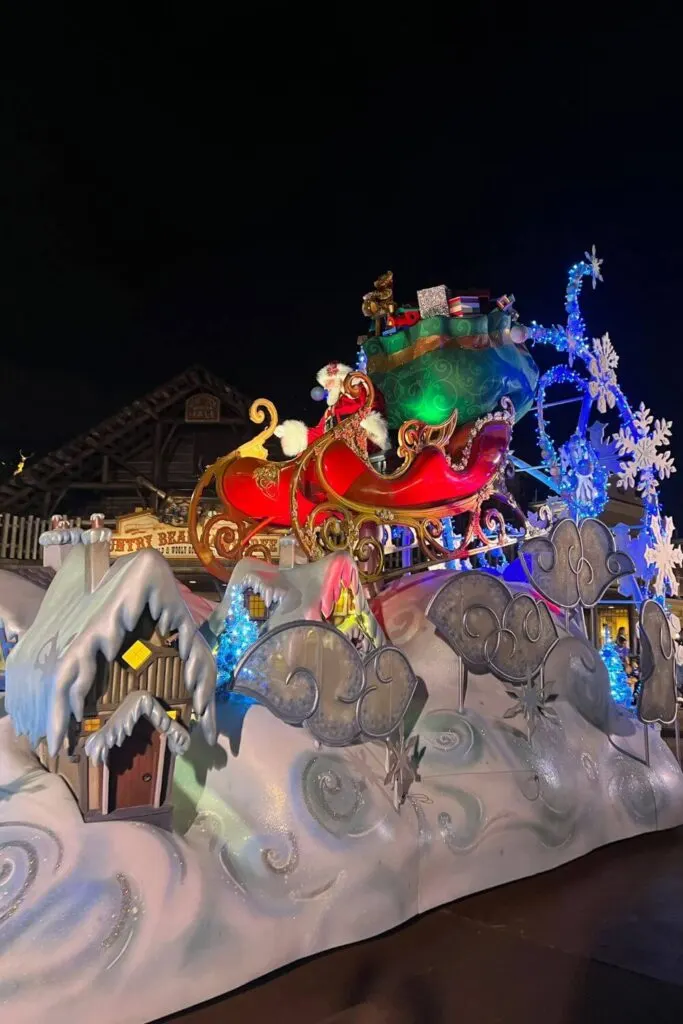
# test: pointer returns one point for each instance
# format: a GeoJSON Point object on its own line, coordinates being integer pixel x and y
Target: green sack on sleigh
{"type": "Point", "coordinates": [427, 371]}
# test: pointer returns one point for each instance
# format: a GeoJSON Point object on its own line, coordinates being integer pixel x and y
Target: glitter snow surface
{"type": "Point", "coordinates": [123, 923]}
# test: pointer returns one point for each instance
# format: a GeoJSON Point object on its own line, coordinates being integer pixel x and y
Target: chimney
{"type": "Point", "coordinates": [287, 552]}
{"type": "Point", "coordinates": [96, 540]}
{"type": "Point", "coordinates": [58, 541]}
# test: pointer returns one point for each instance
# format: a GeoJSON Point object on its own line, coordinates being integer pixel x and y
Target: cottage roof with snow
{"type": "Point", "coordinates": [20, 599]}
{"type": "Point", "coordinates": [58, 660]}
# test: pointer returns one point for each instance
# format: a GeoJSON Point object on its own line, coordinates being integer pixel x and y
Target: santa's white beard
{"type": "Point", "coordinates": [333, 394]}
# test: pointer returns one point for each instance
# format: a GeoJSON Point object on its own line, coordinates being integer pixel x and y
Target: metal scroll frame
{"type": "Point", "coordinates": [581, 602]}
{"type": "Point", "coordinates": [337, 522]}
{"type": "Point", "coordinates": [364, 690]}
{"type": "Point", "coordinates": [631, 603]}
{"type": "Point", "coordinates": [575, 562]}
{"type": "Point", "coordinates": [465, 665]}
{"type": "Point", "coordinates": [651, 654]}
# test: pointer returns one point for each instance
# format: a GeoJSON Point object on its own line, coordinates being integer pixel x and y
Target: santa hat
{"type": "Point", "coordinates": [333, 373]}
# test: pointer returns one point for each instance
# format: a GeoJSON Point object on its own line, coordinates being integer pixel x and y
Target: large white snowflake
{"type": "Point", "coordinates": [634, 546]}
{"type": "Point", "coordinates": [603, 378]}
{"type": "Point", "coordinates": [595, 264]}
{"type": "Point", "coordinates": [644, 463]}
{"type": "Point", "coordinates": [663, 555]}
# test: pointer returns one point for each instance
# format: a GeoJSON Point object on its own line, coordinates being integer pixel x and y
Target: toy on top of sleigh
{"type": "Point", "coordinates": [295, 436]}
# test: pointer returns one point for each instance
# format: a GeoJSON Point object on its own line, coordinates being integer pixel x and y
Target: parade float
{"type": "Point", "coordinates": [175, 778]}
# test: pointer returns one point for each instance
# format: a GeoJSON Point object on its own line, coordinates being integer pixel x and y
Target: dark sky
{"type": "Point", "coordinates": [181, 191]}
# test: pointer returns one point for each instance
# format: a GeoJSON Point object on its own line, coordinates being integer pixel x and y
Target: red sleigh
{"type": "Point", "coordinates": [332, 498]}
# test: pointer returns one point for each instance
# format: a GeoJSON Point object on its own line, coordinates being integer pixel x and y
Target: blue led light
{"type": "Point", "coordinates": [239, 633]}
{"type": "Point", "coordinates": [567, 464]}
{"type": "Point", "coordinates": [618, 680]}
{"type": "Point", "coordinates": [448, 539]}
{"type": "Point", "coordinates": [579, 477]}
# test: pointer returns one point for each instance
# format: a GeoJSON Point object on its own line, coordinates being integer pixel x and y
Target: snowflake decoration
{"type": "Point", "coordinates": [605, 450]}
{"type": "Point", "coordinates": [601, 368]}
{"type": "Point", "coordinates": [675, 627]}
{"type": "Point", "coordinates": [645, 463]}
{"type": "Point", "coordinates": [634, 547]}
{"type": "Point", "coordinates": [595, 264]}
{"type": "Point", "coordinates": [532, 703]}
{"type": "Point", "coordinates": [583, 480]}
{"type": "Point", "coordinates": [402, 762]}
{"type": "Point", "coordinates": [663, 556]}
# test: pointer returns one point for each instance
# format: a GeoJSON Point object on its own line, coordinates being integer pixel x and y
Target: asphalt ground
{"type": "Point", "coordinates": [598, 940]}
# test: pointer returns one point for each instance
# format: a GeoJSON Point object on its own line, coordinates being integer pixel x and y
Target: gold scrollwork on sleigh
{"type": "Point", "coordinates": [414, 436]}
{"type": "Point", "coordinates": [341, 523]}
{"type": "Point", "coordinates": [228, 533]}
{"type": "Point", "coordinates": [267, 479]}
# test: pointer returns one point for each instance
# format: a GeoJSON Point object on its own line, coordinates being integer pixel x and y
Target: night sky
{"type": "Point", "coordinates": [183, 192]}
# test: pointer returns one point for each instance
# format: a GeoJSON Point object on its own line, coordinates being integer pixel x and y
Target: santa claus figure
{"type": "Point", "coordinates": [295, 436]}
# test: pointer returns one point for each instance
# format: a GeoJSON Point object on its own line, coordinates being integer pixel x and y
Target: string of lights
{"type": "Point", "coordinates": [576, 467]}
{"type": "Point", "coordinates": [618, 680]}
{"type": "Point", "coordinates": [579, 477]}
{"type": "Point", "coordinates": [238, 634]}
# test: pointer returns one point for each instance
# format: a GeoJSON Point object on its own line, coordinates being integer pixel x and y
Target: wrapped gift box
{"type": "Point", "coordinates": [403, 317]}
{"type": "Point", "coordinates": [433, 301]}
{"type": "Point", "coordinates": [464, 305]}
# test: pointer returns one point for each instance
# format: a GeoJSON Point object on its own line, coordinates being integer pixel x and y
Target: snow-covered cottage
{"type": "Point", "coordinates": [105, 679]}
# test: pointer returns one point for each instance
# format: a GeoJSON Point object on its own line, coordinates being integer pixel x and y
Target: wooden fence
{"type": "Point", "coordinates": [19, 536]}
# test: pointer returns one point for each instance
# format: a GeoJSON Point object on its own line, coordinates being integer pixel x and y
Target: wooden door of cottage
{"type": "Point", "coordinates": [134, 767]}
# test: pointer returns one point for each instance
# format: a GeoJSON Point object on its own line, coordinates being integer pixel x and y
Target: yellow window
{"type": "Point", "coordinates": [256, 607]}
{"type": "Point", "coordinates": [136, 655]}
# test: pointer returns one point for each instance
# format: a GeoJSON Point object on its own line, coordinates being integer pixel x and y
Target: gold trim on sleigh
{"type": "Point", "coordinates": [339, 524]}
{"type": "Point", "coordinates": [229, 533]}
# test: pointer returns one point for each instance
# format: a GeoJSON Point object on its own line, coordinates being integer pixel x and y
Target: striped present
{"type": "Point", "coordinates": [464, 305]}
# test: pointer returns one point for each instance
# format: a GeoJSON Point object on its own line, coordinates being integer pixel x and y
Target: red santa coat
{"type": "Point", "coordinates": [296, 436]}
{"type": "Point", "coordinates": [344, 407]}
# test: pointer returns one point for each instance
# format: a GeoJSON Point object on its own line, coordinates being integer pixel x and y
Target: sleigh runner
{"type": "Point", "coordinates": [331, 498]}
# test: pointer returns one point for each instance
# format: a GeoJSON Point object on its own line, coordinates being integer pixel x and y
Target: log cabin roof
{"type": "Point", "coordinates": [120, 437]}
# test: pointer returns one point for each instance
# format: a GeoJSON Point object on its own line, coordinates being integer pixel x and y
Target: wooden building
{"type": "Point", "coordinates": [145, 455]}
{"type": "Point", "coordinates": [145, 459]}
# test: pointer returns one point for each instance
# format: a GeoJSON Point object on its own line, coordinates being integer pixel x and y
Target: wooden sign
{"type": "Point", "coordinates": [203, 408]}
{"type": "Point", "coordinates": [143, 530]}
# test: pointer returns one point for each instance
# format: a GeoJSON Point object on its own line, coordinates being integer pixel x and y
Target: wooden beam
{"type": "Point", "coordinates": [123, 485]}
{"type": "Point", "coordinates": [156, 454]}
{"type": "Point", "coordinates": [97, 485]}
{"type": "Point", "coordinates": [169, 437]}
{"type": "Point", "coordinates": [156, 462]}
{"type": "Point", "coordinates": [225, 421]}
{"type": "Point", "coordinates": [56, 503]}
{"type": "Point", "coordinates": [138, 478]}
